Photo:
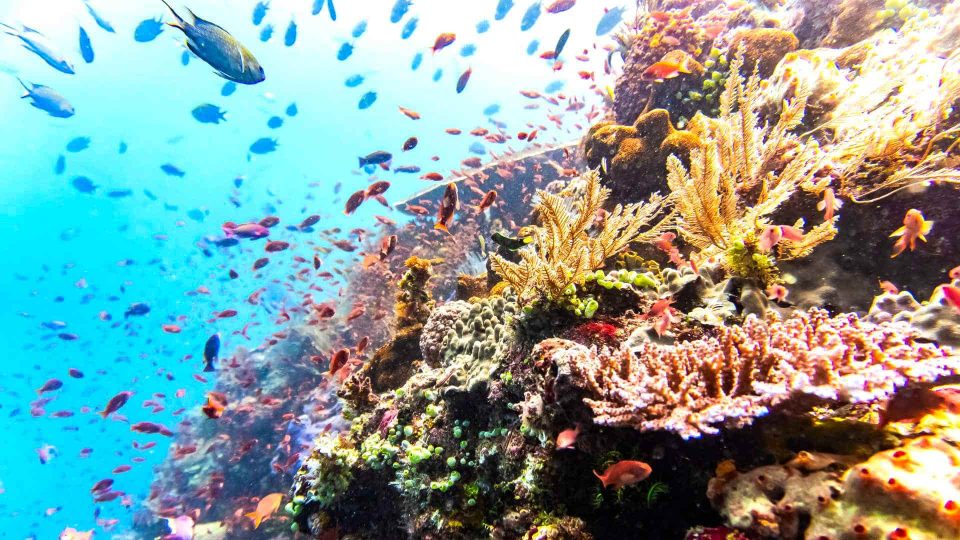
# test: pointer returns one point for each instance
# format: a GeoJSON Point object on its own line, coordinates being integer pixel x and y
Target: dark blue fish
{"type": "Point", "coordinates": [150, 195]}
{"type": "Point", "coordinates": [375, 158]}
{"type": "Point", "coordinates": [119, 193]}
{"type": "Point", "coordinates": [554, 86]}
{"type": "Point", "coordinates": [290, 37]}
{"type": "Point", "coordinates": [229, 88]}
{"type": "Point", "coordinates": [462, 81]}
{"type": "Point", "coordinates": [367, 100]}
{"type": "Point", "coordinates": [47, 99]}
{"type": "Point", "coordinates": [437, 74]}
{"type": "Point", "coordinates": [468, 50]}
{"type": "Point", "coordinates": [491, 109]}
{"type": "Point", "coordinates": [209, 114]}
{"type": "Point", "coordinates": [399, 10]}
{"type": "Point", "coordinates": [122, 148]}
{"type": "Point", "coordinates": [354, 81]}
{"type": "Point", "coordinates": [226, 242]}
{"type": "Point", "coordinates": [274, 122]}
{"type": "Point", "coordinates": [478, 148]}
{"type": "Point", "coordinates": [266, 33]}
{"type": "Point", "coordinates": [483, 26]}
{"type": "Point", "coordinates": [210, 352]}
{"type": "Point", "coordinates": [137, 309]}
{"type": "Point", "coordinates": [417, 59]}
{"type": "Point", "coordinates": [292, 110]}
{"type": "Point", "coordinates": [185, 58]}
{"type": "Point", "coordinates": [86, 49]}
{"type": "Point", "coordinates": [148, 30]}
{"type": "Point", "coordinates": [83, 184]}
{"type": "Point", "coordinates": [78, 144]}
{"type": "Point", "coordinates": [263, 145]}
{"type": "Point", "coordinates": [610, 20]}
{"type": "Point", "coordinates": [172, 170]}
{"type": "Point", "coordinates": [317, 7]}
{"type": "Point", "coordinates": [259, 12]}
{"type": "Point", "coordinates": [530, 17]}
{"type": "Point", "coordinates": [61, 164]}
{"type": "Point", "coordinates": [359, 29]}
{"type": "Point", "coordinates": [345, 51]}
{"type": "Point", "coordinates": [101, 22]}
{"type": "Point", "coordinates": [561, 43]}
{"type": "Point", "coordinates": [533, 46]}
{"type": "Point", "coordinates": [503, 7]}
{"type": "Point", "coordinates": [331, 11]}
{"type": "Point", "coordinates": [196, 214]}
{"type": "Point", "coordinates": [409, 27]}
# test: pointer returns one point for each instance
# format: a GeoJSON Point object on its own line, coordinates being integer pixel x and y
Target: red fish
{"type": "Point", "coordinates": [171, 328]}
{"type": "Point", "coordinates": [227, 313]}
{"type": "Point", "coordinates": [888, 287]}
{"type": "Point", "coordinates": [260, 263]}
{"type": "Point", "coordinates": [624, 473]}
{"type": "Point", "coordinates": [354, 202]}
{"type": "Point", "coordinates": [274, 246]}
{"type": "Point", "coordinates": [356, 312]}
{"type": "Point", "coordinates": [567, 438]}
{"type": "Point", "coordinates": [559, 6]}
{"type": "Point", "coordinates": [377, 188]}
{"type": "Point", "coordinates": [448, 206]}
{"type": "Point", "coordinates": [410, 144]}
{"type": "Point", "coordinates": [487, 201]}
{"type": "Point", "coordinates": [115, 403]}
{"type": "Point", "coordinates": [434, 176]}
{"type": "Point", "coordinates": [829, 205]}
{"type": "Point", "coordinates": [657, 308]}
{"type": "Point", "coordinates": [309, 221]}
{"type": "Point", "coordinates": [338, 360]}
{"type": "Point", "coordinates": [443, 40]}
{"type": "Point", "coordinates": [215, 405]}
{"type": "Point", "coordinates": [952, 295]}
{"type": "Point", "coordinates": [413, 115]}
{"type": "Point", "coordinates": [150, 428]}
{"type": "Point", "coordinates": [50, 386]}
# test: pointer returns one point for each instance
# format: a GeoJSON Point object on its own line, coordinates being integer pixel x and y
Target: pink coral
{"type": "Point", "coordinates": [690, 388]}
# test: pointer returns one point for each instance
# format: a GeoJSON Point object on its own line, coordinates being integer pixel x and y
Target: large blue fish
{"type": "Point", "coordinates": [399, 10]}
{"type": "Point", "coordinates": [259, 12]}
{"type": "Point", "coordinates": [47, 99]}
{"type": "Point", "coordinates": [41, 46]}
{"type": "Point", "coordinates": [530, 17]}
{"type": "Point", "coordinates": [148, 30]}
{"type": "Point", "coordinates": [101, 22]}
{"type": "Point", "coordinates": [610, 20]}
{"type": "Point", "coordinates": [503, 7]}
{"type": "Point", "coordinates": [409, 27]}
{"type": "Point", "coordinates": [86, 48]}
{"type": "Point", "coordinates": [215, 46]}
{"type": "Point", "coordinates": [290, 37]}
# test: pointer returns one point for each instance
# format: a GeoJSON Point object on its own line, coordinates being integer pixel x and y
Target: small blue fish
{"type": "Point", "coordinates": [345, 51]}
{"type": "Point", "coordinates": [317, 7]}
{"type": "Point", "coordinates": [78, 144]}
{"type": "Point", "coordinates": [209, 114]}
{"type": "Point", "coordinates": [119, 193]}
{"type": "Point", "coordinates": [290, 37]}
{"type": "Point", "coordinates": [359, 29]}
{"type": "Point", "coordinates": [83, 184]}
{"type": "Point", "coordinates": [331, 11]}
{"type": "Point", "coordinates": [462, 81]}
{"type": "Point", "coordinates": [399, 10]}
{"type": "Point", "coordinates": [292, 110]}
{"type": "Point", "coordinates": [503, 7]}
{"type": "Point", "coordinates": [61, 165]}
{"type": "Point", "coordinates": [196, 214]}
{"type": "Point", "coordinates": [437, 74]}
{"type": "Point", "coordinates": [41, 46]}
{"type": "Point", "coordinates": [554, 86]}
{"type": "Point", "coordinates": [530, 17]}
{"type": "Point", "coordinates": [148, 30]}
{"type": "Point", "coordinates": [86, 48]}
{"type": "Point", "coordinates": [259, 12]}
{"type": "Point", "coordinates": [274, 122]}
{"type": "Point", "coordinates": [409, 28]}
{"type": "Point", "coordinates": [483, 26]}
{"type": "Point", "coordinates": [101, 22]}
{"type": "Point", "coordinates": [491, 109]}
{"type": "Point", "coordinates": [367, 100]}
{"type": "Point", "coordinates": [561, 43]}
{"type": "Point", "coordinates": [417, 59]}
{"type": "Point", "coordinates": [263, 145]}
{"type": "Point", "coordinates": [122, 149]}
{"type": "Point", "coordinates": [173, 170]}
{"type": "Point", "coordinates": [468, 50]}
{"type": "Point", "coordinates": [185, 58]}
{"type": "Point", "coordinates": [533, 46]}
{"type": "Point", "coordinates": [610, 20]}
{"type": "Point", "coordinates": [47, 99]}
{"type": "Point", "coordinates": [266, 33]}
{"type": "Point", "coordinates": [353, 81]}
{"type": "Point", "coordinates": [228, 89]}
{"type": "Point", "coordinates": [478, 148]}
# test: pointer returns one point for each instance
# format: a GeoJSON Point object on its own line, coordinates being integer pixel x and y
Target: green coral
{"type": "Point", "coordinates": [742, 259]}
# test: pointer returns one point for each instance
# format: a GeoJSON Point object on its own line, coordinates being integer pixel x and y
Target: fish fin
{"type": "Point", "coordinates": [922, 237]}
{"type": "Point", "coordinates": [243, 61]}
{"type": "Point", "coordinates": [180, 21]}
{"type": "Point", "coordinates": [25, 87]}
{"type": "Point", "coordinates": [257, 518]}
{"type": "Point", "coordinates": [927, 225]}
{"type": "Point", "coordinates": [9, 29]}
{"type": "Point", "coordinates": [821, 205]}
{"type": "Point", "coordinates": [602, 479]}
{"type": "Point", "coordinates": [898, 232]}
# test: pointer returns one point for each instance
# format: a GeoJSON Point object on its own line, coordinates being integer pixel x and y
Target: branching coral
{"type": "Point", "coordinates": [563, 250]}
{"type": "Point", "coordinates": [730, 379]}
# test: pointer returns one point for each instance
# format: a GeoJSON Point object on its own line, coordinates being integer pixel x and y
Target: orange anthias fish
{"type": "Point", "coordinates": [567, 438]}
{"type": "Point", "coordinates": [265, 508]}
{"type": "Point", "coordinates": [914, 227]}
{"type": "Point", "coordinates": [216, 403]}
{"type": "Point", "coordinates": [673, 64]}
{"type": "Point", "coordinates": [829, 204]}
{"type": "Point", "coordinates": [448, 206]}
{"type": "Point", "coordinates": [444, 40]}
{"type": "Point", "coordinates": [952, 295]}
{"type": "Point", "coordinates": [413, 115]}
{"type": "Point", "coordinates": [624, 473]}
{"type": "Point", "coordinates": [487, 201]}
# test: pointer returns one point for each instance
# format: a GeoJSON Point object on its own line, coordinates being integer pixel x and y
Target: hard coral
{"type": "Point", "coordinates": [414, 301]}
{"type": "Point", "coordinates": [441, 321]}
{"type": "Point", "coordinates": [693, 387]}
{"type": "Point", "coordinates": [763, 47]}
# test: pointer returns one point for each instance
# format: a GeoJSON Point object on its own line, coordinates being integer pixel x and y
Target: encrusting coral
{"type": "Point", "coordinates": [693, 387]}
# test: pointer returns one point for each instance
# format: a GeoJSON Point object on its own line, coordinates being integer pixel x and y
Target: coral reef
{"type": "Point", "coordinates": [762, 48]}
{"type": "Point", "coordinates": [475, 344]}
{"type": "Point", "coordinates": [935, 319]}
{"type": "Point", "coordinates": [745, 371]}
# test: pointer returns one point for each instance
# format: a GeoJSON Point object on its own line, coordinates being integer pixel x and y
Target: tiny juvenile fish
{"type": "Point", "coordinates": [409, 28]}
{"type": "Point", "coordinates": [290, 37]}
{"type": "Point", "coordinates": [215, 46]}
{"type": "Point", "coordinates": [367, 100]}
{"type": "Point", "coordinates": [101, 22]}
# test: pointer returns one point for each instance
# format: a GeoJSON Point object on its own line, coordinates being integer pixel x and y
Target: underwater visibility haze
{"type": "Point", "coordinates": [438, 269]}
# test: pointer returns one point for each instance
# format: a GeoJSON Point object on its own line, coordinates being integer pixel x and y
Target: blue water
{"type": "Point", "coordinates": [80, 258]}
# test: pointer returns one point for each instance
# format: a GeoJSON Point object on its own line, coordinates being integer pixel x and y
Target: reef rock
{"type": "Point", "coordinates": [763, 48]}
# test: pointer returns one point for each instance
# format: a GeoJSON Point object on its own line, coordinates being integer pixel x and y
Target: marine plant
{"type": "Point", "coordinates": [568, 246]}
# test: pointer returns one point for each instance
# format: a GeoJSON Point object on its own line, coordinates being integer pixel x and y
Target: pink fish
{"type": "Point", "coordinates": [567, 438]}
{"type": "Point", "coordinates": [624, 473]}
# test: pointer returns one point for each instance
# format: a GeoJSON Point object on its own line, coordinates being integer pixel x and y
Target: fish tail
{"type": "Point", "coordinates": [25, 87]}
{"type": "Point", "coordinates": [602, 479]}
{"type": "Point", "coordinates": [362, 162]}
{"type": "Point", "coordinates": [7, 29]}
{"type": "Point", "coordinates": [179, 22]}
{"type": "Point", "coordinates": [103, 414]}
{"type": "Point", "coordinates": [257, 518]}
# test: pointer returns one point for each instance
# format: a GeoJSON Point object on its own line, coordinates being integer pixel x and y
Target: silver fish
{"type": "Point", "coordinates": [215, 46]}
{"type": "Point", "coordinates": [41, 46]}
{"type": "Point", "coordinates": [47, 99]}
